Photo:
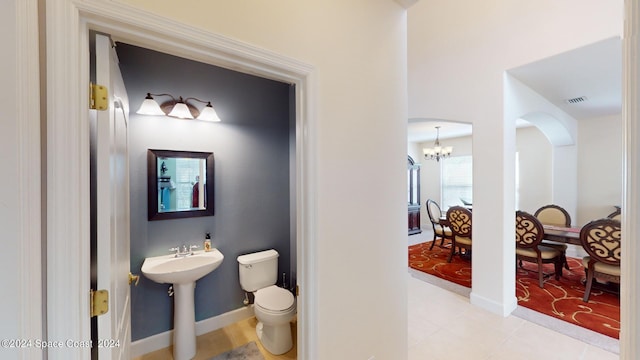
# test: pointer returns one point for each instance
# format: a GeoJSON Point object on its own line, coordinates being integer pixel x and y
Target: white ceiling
{"type": "Point", "coordinates": [593, 72]}
{"type": "Point", "coordinates": [425, 129]}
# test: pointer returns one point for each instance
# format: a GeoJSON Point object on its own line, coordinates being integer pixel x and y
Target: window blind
{"type": "Point", "coordinates": [456, 183]}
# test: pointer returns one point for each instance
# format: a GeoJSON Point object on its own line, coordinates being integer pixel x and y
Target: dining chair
{"type": "Point", "coordinates": [529, 246]}
{"type": "Point", "coordinates": [439, 230]}
{"type": "Point", "coordinates": [616, 215]}
{"type": "Point", "coordinates": [602, 241]}
{"type": "Point", "coordinates": [555, 215]}
{"type": "Point", "coordinates": [459, 219]}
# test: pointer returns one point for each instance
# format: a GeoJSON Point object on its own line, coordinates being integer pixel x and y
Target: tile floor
{"type": "Point", "coordinates": [459, 330]}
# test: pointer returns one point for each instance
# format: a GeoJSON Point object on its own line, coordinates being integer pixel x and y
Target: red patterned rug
{"type": "Point", "coordinates": [561, 299]}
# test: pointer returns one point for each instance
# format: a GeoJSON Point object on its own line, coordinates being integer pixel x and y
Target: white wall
{"type": "Point", "coordinates": [599, 167]}
{"type": "Point", "coordinates": [458, 53]}
{"type": "Point", "coordinates": [10, 148]}
{"type": "Point", "coordinates": [358, 49]}
{"type": "Point", "coordinates": [20, 193]}
{"type": "Point", "coordinates": [522, 102]}
{"type": "Point", "coordinates": [414, 150]}
{"type": "Point", "coordinates": [535, 154]}
{"type": "Point", "coordinates": [565, 177]}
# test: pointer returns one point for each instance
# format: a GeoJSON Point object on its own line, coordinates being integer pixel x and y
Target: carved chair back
{"type": "Point", "coordinates": [529, 230]}
{"type": "Point", "coordinates": [459, 219]}
{"type": "Point", "coordinates": [602, 241]}
{"type": "Point", "coordinates": [553, 215]}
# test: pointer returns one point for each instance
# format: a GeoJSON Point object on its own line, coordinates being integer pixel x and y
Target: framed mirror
{"type": "Point", "coordinates": [180, 184]}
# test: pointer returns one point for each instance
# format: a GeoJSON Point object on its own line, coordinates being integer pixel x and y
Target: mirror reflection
{"type": "Point", "coordinates": [180, 184]}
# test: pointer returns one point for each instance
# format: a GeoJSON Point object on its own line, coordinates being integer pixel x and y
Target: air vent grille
{"type": "Point", "coordinates": [576, 100]}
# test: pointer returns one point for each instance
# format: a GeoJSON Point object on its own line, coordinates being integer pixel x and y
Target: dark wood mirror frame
{"type": "Point", "coordinates": [152, 184]}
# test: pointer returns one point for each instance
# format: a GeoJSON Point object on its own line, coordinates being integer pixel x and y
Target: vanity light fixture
{"type": "Point", "coordinates": [180, 108]}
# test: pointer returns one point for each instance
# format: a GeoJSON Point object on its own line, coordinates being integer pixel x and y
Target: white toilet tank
{"type": "Point", "coordinates": [258, 270]}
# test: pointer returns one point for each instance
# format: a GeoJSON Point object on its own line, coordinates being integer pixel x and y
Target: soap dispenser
{"type": "Point", "coordinates": [207, 242]}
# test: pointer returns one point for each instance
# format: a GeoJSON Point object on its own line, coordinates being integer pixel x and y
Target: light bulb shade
{"type": "Point", "coordinates": [150, 107]}
{"type": "Point", "coordinates": [208, 114]}
{"type": "Point", "coordinates": [181, 110]}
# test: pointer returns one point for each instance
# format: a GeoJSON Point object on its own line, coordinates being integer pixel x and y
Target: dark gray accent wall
{"type": "Point", "coordinates": [253, 153]}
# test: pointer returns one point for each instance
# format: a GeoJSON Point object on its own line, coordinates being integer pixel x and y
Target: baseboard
{"type": "Point", "coordinates": [165, 339]}
{"type": "Point", "coordinates": [590, 337]}
{"type": "Point", "coordinates": [495, 307]}
{"type": "Point", "coordinates": [441, 283]}
{"type": "Point", "coordinates": [479, 301]}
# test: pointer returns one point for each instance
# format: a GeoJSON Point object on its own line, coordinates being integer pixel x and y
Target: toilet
{"type": "Point", "coordinates": [274, 307]}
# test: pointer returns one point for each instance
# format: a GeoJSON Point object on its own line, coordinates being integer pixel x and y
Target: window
{"type": "Point", "coordinates": [188, 171]}
{"type": "Point", "coordinates": [457, 181]}
{"type": "Point", "coordinates": [413, 182]}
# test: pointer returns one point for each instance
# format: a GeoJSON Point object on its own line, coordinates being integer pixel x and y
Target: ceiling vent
{"type": "Point", "coordinates": [576, 100]}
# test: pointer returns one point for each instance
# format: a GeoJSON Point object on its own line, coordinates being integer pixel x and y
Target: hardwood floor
{"type": "Point", "coordinates": [225, 339]}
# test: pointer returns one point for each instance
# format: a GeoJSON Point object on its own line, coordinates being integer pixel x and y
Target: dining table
{"type": "Point", "coordinates": [567, 235]}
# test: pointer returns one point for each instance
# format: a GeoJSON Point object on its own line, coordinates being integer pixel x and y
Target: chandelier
{"type": "Point", "coordinates": [437, 152]}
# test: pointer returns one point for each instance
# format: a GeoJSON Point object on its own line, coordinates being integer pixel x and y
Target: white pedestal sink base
{"type": "Point", "coordinates": [182, 272]}
{"type": "Point", "coordinates": [184, 321]}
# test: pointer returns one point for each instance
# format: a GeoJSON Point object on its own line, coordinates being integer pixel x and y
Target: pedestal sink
{"type": "Point", "coordinates": [182, 272]}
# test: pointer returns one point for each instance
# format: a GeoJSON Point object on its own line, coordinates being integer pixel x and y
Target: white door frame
{"type": "Point", "coordinates": [630, 285]}
{"type": "Point", "coordinates": [68, 22]}
{"type": "Point", "coordinates": [24, 238]}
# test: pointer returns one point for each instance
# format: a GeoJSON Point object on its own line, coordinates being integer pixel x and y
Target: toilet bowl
{"type": "Point", "coordinates": [274, 307]}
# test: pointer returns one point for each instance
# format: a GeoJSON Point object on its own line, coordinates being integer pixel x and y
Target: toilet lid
{"type": "Point", "coordinates": [274, 298]}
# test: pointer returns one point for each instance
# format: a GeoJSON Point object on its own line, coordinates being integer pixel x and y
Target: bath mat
{"type": "Point", "coordinates": [248, 351]}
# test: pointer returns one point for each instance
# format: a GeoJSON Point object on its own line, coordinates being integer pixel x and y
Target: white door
{"type": "Point", "coordinates": [111, 164]}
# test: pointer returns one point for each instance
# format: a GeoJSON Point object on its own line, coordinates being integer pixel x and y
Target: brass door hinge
{"type": "Point", "coordinates": [133, 279]}
{"type": "Point", "coordinates": [99, 302]}
{"type": "Point", "coordinates": [98, 97]}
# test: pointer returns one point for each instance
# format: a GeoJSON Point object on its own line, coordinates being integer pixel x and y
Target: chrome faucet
{"type": "Point", "coordinates": [183, 250]}
{"type": "Point", "coordinates": [191, 247]}
{"type": "Point", "coordinates": [177, 251]}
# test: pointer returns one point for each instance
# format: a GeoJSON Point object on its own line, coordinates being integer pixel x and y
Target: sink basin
{"type": "Point", "coordinates": [168, 269]}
